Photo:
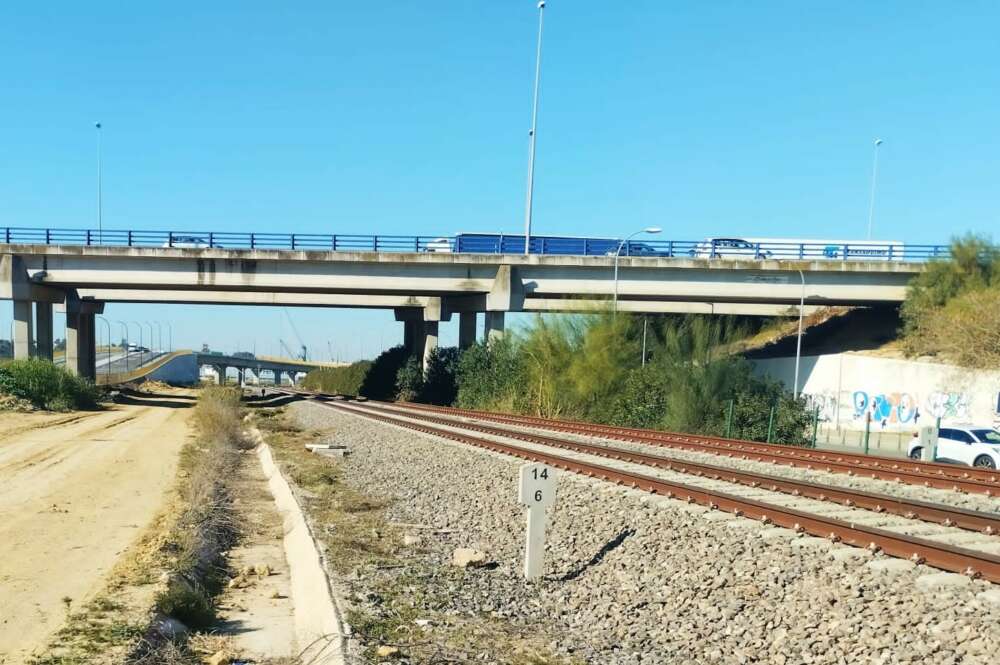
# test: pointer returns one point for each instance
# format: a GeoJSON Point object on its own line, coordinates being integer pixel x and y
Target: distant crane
{"type": "Point", "coordinates": [295, 331]}
{"type": "Point", "coordinates": [292, 354]}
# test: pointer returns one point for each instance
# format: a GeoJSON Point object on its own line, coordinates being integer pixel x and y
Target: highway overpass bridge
{"type": "Point", "coordinates": [422, 287]}
{"type": "Point", "coordinates": [277, 368]}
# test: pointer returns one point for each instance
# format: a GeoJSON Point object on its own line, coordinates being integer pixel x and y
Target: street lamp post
{"type": "Point", "coordinates": [798, 343]}
{"type": "Point", "coordinates": [100, 193]}
{"type": "Point", "coordinates": [170, 336]}
{"type": "Point", "coordinates": [871, 203]}
{"type": "Point", "coordinates": [618, 253]}
{"type": "Point", "coordinates": [532, 133]}
{"type": "Point", "coordinates": [108, 324]}
{"type": "Point", "coordinates": [125, 328]}
{"type": "Point", "coordinates": [139, 326]}
{"type": "Point", "coordinates": [152, 339]}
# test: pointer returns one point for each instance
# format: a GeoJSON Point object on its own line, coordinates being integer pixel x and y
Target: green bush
{"type": "Point", "coordinates": [951, 308]}
{"type": "Point", "coordinates": [380, 381]}
{"type": "Point", "coordinates": [589, 368]}
{"type": "Point", "coordinates": [345, 380]}
{"type": "Point", "coordinates": [47, 386]}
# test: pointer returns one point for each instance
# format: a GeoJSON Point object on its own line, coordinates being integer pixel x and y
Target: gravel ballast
{"type": "Point", "coordinates": [632, 578]}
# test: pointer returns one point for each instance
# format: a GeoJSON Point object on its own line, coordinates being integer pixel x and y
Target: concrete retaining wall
{"type": "Point", "coordinates": [901, 395]}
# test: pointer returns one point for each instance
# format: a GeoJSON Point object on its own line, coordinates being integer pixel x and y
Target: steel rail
{"type": "Point", "coordinates": [961, 518]}
{"type": "Point", "coordinates": [928, 474]}
{"type": "Point", "coordinates": [938, 555]}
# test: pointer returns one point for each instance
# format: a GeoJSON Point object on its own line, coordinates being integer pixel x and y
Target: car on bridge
{"type": "Point", "coordinates": [190, 242]}
{"type": "Point", "coordinates": [964, 444]}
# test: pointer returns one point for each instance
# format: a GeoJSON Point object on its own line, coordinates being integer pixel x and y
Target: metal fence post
{"type": "Point", "coordinates": [729, 419]}
{"type": "Point", "coordinates": [937, 434]}
{"type": "Point", "coordinates": [129, 238]}
{"type": "Point", "coordinates": [333, 242]}
{"type": "Point", "coordinates": [770, 424]}
{"type": "Point", "coordinates": [253, 242]}
{"type": "Point", "coordinates": [868, 431]}
{"type": "Point", "coordinates": [815, 426]}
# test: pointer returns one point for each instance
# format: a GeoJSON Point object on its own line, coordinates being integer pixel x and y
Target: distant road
{"type": "Point", "coordinates": [118, 362]}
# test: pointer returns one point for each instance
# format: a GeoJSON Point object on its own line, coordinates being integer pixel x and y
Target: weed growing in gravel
{"type": "Point", "coordinates": [90, 634]}
{"type": "Point", "coordinates": [392, 586]}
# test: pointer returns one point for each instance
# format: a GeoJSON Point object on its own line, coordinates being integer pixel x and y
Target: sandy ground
{"type": "Point", "coordinates": [75, 491]}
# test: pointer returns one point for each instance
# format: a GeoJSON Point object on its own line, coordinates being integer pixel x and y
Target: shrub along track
{"type": "Point", "coordinates": [937, 554]}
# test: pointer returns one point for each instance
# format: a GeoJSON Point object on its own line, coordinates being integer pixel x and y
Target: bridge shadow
{"type": "Point", "coordinates": [608, 547]}
{"type": "Point", "coordinates": [274, 401]}
{"type": "Point", "coordinates": [140, 394]}
{"type": "Point", "coordinates": [170, 403]}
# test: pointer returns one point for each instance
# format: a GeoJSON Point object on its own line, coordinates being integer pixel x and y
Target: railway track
{"type": "Point", "coordinates": [913, 472]}
{"type": "Point", "coordinates": [970, 520]}
{"type": "Point", "coordinates": [939, 554]}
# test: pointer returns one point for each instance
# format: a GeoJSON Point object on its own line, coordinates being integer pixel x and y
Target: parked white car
{"type": "Point", "coordinates": [441, 245]}
{"type": "Point", "coordinates": [189, 242]}
{"type": "Point", "coordinates": [964, 444]}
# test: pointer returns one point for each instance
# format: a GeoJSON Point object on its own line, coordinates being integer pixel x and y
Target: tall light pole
{"type": "Point", "coordinates": [139, 326]}
{"type": "Point", "coordinates": [125, 328]}
{"type": "Point", "coordinates": [618, 253]}
{"type": "Point", "coordinates": [871, 203]}
{"type": "Point", "coordinates": [152, 340]}
{"type": "Point", "coordinates": [170, 336]}
{"type": "Point", "coordinates": [100, 193]}
{"type": "Point", "coordinates": [798, 343]}
{"type": "Point", "coordinates": [532, 133]}
{"type": "Point", "coordinates": [108, 324]}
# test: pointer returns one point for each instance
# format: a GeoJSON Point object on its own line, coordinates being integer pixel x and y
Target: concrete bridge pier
{"type": "Point", "coordinates": [430, 342]}
{"type": "Point", "coordinates": [43, 330]}
{"type": "Point", "coordinates": [466, 329]}
{"type": "Point", "coordinates": [81, 350]}
{"type": "Point", "coordinates": [23, 334]}
{"type": "Point", "coordinates": [494, 326]}
{"type": "Point", "coordinates": [220, 371]}
{"type": "Point", "coordinates": [241, 376]}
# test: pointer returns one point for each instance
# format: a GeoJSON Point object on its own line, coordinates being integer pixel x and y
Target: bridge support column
{"type": "Point", "coordinates": [240, 376]}
{"type": "Point", "coordinates": [89, 349]}
{"type": "Point", "coordinates": [81, 350]}
{"type": "Point", "coordinates": [43, 332]}
{"type": "Point", "coordinates": [411, 335]}
{"type": "Point", "coordinates": [430, 342]}
{"type": "Point", "coordinates": [23, 336]}
{"type": "Point", "coordinates": [220, 372]}
{"type": "Point", "coordinates": [494, 326]}
{"type": "Point", "coordinates": [466, 329]}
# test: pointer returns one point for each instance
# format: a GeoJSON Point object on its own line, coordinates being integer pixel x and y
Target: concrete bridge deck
{"type": "Point", "coordinates": [424, 288]}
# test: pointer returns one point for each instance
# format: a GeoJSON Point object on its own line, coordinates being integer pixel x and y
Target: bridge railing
{"type": "Point", "coordinates": [480, 243]}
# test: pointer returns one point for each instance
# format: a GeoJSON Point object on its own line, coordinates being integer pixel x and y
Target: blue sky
{"type": "Point", "coordinates": [411, 117]}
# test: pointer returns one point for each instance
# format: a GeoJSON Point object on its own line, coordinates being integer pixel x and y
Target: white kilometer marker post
{"type": "Point", "coordinates": [536, 491]}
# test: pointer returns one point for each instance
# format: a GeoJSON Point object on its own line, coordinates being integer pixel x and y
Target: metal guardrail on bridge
{"type": "Point", "coordinates": [479, 243]}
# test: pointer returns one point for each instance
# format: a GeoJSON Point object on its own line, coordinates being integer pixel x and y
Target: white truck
{"type": "Point", "coordinates": [790, 248]}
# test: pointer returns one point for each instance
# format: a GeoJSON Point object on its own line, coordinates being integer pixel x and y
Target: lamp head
{"type": "Point", "coordinates": [652, 229]}
{"type": "Point", "coordinates": [97, 125]}
{"type": "Point", "coordinates": [878, 142]}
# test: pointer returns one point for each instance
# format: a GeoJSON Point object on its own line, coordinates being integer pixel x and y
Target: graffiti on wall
{"type": "Point", "coordinates": [887, 408]}
{"type": "Point", "coordinates": [900, 408]}
{"type": "Point", "coordinates": [826, 403]}
{"type": "Point", "coordinates": [948, 405]}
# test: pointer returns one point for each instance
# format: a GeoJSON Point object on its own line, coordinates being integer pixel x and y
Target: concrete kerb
{"type": "Point", "coordinates": [319, 627]}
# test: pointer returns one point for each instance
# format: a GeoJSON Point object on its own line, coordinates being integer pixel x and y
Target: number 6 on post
{"type": "Point", "coordinates": [536, 491]}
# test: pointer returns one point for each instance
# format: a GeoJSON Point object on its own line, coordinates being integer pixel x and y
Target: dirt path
{"type": "Point", "coordinates": [74, 493]}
